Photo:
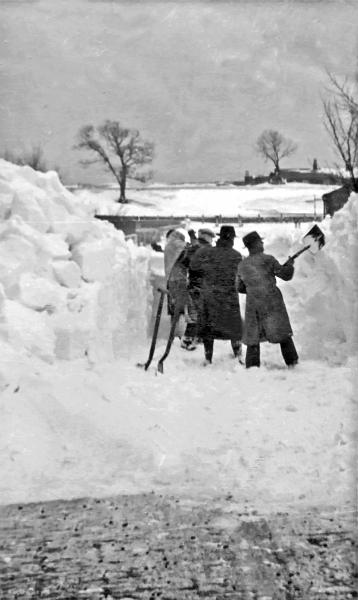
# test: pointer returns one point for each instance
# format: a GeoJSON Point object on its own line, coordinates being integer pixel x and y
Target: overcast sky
{"type": "Point", "coordinates": [199, 79]}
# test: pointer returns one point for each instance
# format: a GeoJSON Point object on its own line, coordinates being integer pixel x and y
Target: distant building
{"type": "Point", "coordinates": [333, 201]}
{"type": "Point", "coordinates": [310, 176]}
{"type": "Point", "coordinates": [251, 179]}
{"type": "Point", "coordinates": [313, 175]}
{"type": "Point", "coordinates": [292, 176]}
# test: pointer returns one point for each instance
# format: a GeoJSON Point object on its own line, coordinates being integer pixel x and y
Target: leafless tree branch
{"type": "Point", "coordinates": [341, 123]}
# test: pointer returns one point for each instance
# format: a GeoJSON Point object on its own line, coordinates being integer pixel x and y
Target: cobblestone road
{"type": "Point", "coordinates": [152, 547]}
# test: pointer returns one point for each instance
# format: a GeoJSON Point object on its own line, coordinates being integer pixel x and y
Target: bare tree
{"type": "Point", "coordinates": [33, 158]}
{"type": "Point", "coordinates": [272, 145]}
{"type": "Point", "coordinates": [121, 150]}
{"type": "Point", "coordinates": [341, 123]}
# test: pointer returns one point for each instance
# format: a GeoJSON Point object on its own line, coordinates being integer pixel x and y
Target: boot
{"type": "Point", "coordinates": [237, 350]}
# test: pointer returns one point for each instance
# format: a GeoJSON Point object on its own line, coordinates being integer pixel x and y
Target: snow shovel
{"type": "Point", "coordinates": [314, 240]}
{"type": "Point", "coordinates": [176, 316]}
{"type": "Point", "coordinates": [155, 330]}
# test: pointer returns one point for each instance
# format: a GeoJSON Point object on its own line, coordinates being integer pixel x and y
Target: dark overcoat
{"type": "Point", "coordinates": [266, 316]}
{"type": "Point", "coordinates": [182, 283]}
{"type": "Point", "coordinates": [219, 314]}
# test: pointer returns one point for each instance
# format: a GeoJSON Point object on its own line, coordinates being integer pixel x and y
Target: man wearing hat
{"type": "Point", "coordinates": [204, 240]}
{"type": "Point", "coordinates": [266, 317]}
{"type": "Point", "coordinates": [219, 315]}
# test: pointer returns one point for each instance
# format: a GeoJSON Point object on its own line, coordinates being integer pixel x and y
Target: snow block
{"type": "Point", "coordinates": [75, 328]}
{"type": "Point", "coordinates": [56, 214]}
{"type": "Point", "coordinates": [2, 298]}
{"type": "Point", "coordinates": [26, 206]}
{"type": "Point", "coordinates": [40, 293]}
{"type": "Point", "coordinates": [27, 330]}
{"type": "Point", "coordinates": [67, 273]}
{"type": "Point", "coordinates": [17, 256]}
{"type": "Point", "coordinates": [54, 245]}
{"type": "Point", "coordinates": [78, 229]}
{"type": "Point", "coordinates": [71, 343]}
{"type": "Point", "coordinates": [96, 258]}
{"type": "Point", "coordinates": [6, 198]}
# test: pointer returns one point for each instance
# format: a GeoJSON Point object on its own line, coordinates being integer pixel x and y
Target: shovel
{"type": "Point", "coordinates": [313, 241]}
{"type": "Point", "coordinates": [175, 320]}
{"type": "Point", "coordinates": [155, 331]}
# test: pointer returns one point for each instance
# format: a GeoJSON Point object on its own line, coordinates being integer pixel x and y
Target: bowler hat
{"type": "Point", "coordinates": [227, 232]}
{"type": "Point", "coordinates": [250, 238]}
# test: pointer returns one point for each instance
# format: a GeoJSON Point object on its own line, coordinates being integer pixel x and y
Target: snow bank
{"type": "Point", "coordinates": [70, 285]}
{"type": "Point", "coordinates": [322, 298]}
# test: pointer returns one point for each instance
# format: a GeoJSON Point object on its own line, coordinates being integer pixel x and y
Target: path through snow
{"type": "Point", "coordinates": [271, 436]}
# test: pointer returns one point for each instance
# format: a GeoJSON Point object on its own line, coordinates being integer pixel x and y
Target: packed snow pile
{"type": "Point", "coordinates": [322, 298]}
{"type": "Point", "coordinates": [70, 285]}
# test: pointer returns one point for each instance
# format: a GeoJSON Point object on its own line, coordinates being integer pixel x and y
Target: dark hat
{"type": "Point", "coordinates": [250, 238]}
{"type": "Point", "coordinates": [227, 232]}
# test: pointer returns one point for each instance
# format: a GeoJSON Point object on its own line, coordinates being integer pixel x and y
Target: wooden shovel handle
{"type": "Point", "coordinates": [300, 252]}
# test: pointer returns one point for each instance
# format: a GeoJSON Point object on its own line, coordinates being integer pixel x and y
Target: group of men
{"type": "Point", "coordinates": [204, 282]}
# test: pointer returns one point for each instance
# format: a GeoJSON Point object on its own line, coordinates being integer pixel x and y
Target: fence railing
{"type": "Point", "coordinates": [132, 224]}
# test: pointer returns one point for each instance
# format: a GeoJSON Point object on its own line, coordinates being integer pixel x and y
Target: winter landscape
{"type": "Point", "coordinates": [204, 480]}
{"type": "Point", "coordinates": [79, 419]}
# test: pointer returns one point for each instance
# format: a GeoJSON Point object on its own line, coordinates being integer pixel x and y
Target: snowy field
{"type": "Point", "coordinates": [78, 418]}
{"type": "Point", "coordinates": [248, 201]}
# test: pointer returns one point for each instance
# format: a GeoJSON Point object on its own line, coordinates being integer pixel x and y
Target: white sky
{"type": "Point", "coordinates": [200, 79]}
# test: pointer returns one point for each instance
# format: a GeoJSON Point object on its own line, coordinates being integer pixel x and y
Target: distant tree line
{"type": "Point", "coordinates": [33, 158]}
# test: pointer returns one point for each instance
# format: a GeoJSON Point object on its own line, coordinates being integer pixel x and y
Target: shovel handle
{"type": "Point", "coordinates": [299, 252]}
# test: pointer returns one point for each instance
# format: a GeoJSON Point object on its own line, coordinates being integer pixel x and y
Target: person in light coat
{"type": "Point", "coordinates": [266, 317]}
{"type": "Point", "coordinates": [175, 275]}
{"type": "Point", "coordinates": [175, 244]}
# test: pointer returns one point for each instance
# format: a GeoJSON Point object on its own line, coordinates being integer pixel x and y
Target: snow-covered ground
{"type": "Point", "coordinates": [264, 199]}
{"type": "Point", "coordinates": [273, 437]}
{"type": "Point", "coordinates": [78, 417]}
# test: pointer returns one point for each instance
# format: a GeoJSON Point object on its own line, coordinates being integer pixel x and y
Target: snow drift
{"type": "Point", "coordinates": [70, 285]}
{"type": "Point", "coordinates": [322, 297]}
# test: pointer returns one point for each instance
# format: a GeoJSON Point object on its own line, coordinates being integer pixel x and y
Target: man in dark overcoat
{"type": "Point", "coordinates": [266, 317]}
{"type": "Point", "coordinates": [204, 239]}
{"type": "Point", "coordinates": [219, 314]}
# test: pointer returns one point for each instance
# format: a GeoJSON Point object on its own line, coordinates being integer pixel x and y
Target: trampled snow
{"type": "Point", "coordinates": [78, 417]}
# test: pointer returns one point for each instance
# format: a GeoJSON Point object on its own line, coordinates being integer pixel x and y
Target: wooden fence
{"type": "Point", "coordinates": [131, 225]}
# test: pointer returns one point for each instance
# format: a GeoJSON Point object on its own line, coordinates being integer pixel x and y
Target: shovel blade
{"type": "Point", "coordinates": [315, 239]}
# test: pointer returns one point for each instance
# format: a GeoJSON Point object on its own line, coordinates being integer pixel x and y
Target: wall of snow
{"type": "Point", "coordinates": [70, 285]}
{"type": "Point", "coordinates": [322, 298]}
